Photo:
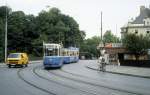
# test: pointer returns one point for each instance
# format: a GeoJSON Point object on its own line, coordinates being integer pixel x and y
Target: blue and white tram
{"type": "Point", "coordinates": [74, 54]}
{"type": "Point", "coordinates": [70, 55]}
{"type": "Point", "coordinates": [55, 55]}
{"type": "Point", "coordinates": [66, 56]}
{"type": "Point", "coordinates": [52, 55]}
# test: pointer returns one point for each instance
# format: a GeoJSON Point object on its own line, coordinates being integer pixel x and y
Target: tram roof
{"type": "Point", "coordinates": [53, 44]}
{"type": "Point", "coordinates": [73, 48]}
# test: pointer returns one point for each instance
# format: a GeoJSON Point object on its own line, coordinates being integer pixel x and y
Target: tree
{"type": "Point", "coordinates": [59, 28]}
{"type": "Point", "coordinates": [90, 47]}
{"type": "Point", "coordinates": [2, 29]}
{"type": "Point", "coordinates": [21, 32]}
{"type": "Point", "coordinates": [137, 44]}
{"type": "Point", "coordinates": [1, 39]}
{"type": "Point", "coordinates": [26, 33]}
{"type": "Point", "coordinates": [16, 31]}
{"type": "Point", "coordinates": [110, 38]}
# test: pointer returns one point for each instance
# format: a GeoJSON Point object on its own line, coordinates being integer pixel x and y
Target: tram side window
{"type": "Point", "coordinates": [74, 54]}
{"type": "Point", "coordinates": [63, 53]}
{"type": "Point", "coordinates": [77, 53]}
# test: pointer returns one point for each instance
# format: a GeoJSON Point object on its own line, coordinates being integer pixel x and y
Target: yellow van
{"type": "Point", "coordinates": [14, 59]}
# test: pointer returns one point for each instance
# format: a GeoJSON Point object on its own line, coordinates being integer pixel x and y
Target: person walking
{"type": "Point", "coordinates": [102, 61]}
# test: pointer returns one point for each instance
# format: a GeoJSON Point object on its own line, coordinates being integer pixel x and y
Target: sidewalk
{"type": "Point", "coordinates": [36, 61]}
{"type": "Point", "coordinates": [123, 70]}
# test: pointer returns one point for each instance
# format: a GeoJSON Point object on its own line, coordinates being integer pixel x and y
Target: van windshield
{"type": "Point", "coordinates": [14, 56]}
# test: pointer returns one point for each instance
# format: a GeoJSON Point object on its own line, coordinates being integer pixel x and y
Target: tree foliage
{"type": "Point", "coordinates": [89, 47]}
{"type": "Point", "coordinates": [59, 28]}
{"type": "Point", "coordinates": [1, 39]}
{"type": "Point", "coordinates": [3, 13]}
{"type": "Point", "coordinates": [137, 44]}
{"type": "Point", "coordinates": [110, 38]}
{"type": "Point", "coordinates": [26, 33]}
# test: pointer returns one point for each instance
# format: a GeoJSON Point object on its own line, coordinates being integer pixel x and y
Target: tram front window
{"type": "Point", "coordinates": [52, 52]}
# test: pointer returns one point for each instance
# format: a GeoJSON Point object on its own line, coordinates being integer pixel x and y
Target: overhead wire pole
{"type": "Point", "coordinates": [101, 44]}
{"type": "Point", "coordinates": [101, 34]}
{"type": "Point", "coordinates": [6, 34]}
{"type": "Point", "coordinates": [101, 28]}
{"type": "Point", "coordinates": [116, 33]}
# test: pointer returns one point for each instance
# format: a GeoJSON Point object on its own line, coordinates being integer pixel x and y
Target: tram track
{"type": "Point", "coordinates": [31, 84]}
{"type": "Point", "coordinates": [90, 83]}
{"type": "Point", "coordinates": [34, 70]}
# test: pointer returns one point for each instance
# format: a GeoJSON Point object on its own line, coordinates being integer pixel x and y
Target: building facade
{"type": "Point", "coordinates": [139, 26]}
{"type": "Point", "coordinates": [113, 49]}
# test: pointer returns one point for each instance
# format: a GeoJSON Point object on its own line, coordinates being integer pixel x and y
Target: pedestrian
{"type": "Point", "coordinates": [118, 62]}
{"type": "Point", "coordinates": [103, 64]}
{"type": "Point", "coordinates": [102, 61]}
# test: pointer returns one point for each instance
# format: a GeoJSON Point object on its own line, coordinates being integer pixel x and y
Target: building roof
{"type": "Point", "coordinates": [144, 13]}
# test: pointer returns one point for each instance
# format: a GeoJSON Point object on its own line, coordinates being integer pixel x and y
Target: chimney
{"type": "Point", "coordinates": [142, 8]}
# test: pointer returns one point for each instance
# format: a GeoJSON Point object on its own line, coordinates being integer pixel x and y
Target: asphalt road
{"type": "Point", "coordinates": [71, 79]}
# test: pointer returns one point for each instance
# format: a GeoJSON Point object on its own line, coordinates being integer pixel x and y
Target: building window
{"type": "Point", "coordinates": [144, 22]}
{"type": "Point", "coordinates": [136, 31]}
{"type": "Point", "coordinates": [124, 30]}
{"type": "Point", "coordinates": [147, 23]}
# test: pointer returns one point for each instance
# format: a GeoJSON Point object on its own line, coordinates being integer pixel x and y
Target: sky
{"type": "Point", "coordinates": [87, 13]}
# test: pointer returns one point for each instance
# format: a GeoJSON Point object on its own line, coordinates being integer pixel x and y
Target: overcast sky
{"type": "Point", "coordinates": [116, 13]}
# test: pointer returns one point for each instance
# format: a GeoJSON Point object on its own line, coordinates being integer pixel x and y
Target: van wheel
{"type": "Point", "coordinates": [9, 66]}
{"type": "Point", "coordinates": [21, 66]}
{"type": "Point", "coordinates": [26, 65]}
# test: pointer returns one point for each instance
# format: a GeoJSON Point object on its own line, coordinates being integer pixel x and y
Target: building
{"type": "Point", "coordinates": [141, 24]}
{"type": "Point", "coordinates": [113, 49]}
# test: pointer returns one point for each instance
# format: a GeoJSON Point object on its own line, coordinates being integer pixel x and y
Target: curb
{"type": "Point", "coordinates": [37, 61]}
{"type": "Point", "coordinates": [2, 64]}
{"type": "Point", "coordinates": [148, 77]}
{"type": "Point", "coordinates": [30, 62]}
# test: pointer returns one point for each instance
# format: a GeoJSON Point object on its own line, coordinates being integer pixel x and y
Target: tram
{"type": "Point", "coordinates": [52, 55]}
{"type": "Point", "coordinates": [55, 55]}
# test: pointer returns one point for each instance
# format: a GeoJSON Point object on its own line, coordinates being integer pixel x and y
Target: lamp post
{"type": "Point", "coordinates": [6, 35]}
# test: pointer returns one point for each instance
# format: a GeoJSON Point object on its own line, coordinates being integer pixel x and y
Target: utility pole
{"type": "Point", "coordinates": [6, 35]}
{"type": "Point", "coordinates": [101, 44]}
{"type": "Point", "coordinates": [101, 28]}
{"type": "Point", "coordinates": [116, 34]}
